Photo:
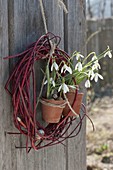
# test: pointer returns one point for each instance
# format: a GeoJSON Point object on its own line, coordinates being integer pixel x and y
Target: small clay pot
{"type": "Point", "coordinates": [76, 105]}
{"type": "Point", "coordinates": [52, 114]}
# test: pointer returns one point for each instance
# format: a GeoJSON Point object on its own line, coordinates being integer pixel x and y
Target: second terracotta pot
{"type": "Point", "coordinates": [76, 104]}
{"type": "Point", "coordinates": [52, 110]}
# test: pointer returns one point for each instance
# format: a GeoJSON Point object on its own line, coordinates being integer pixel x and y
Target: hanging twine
{"type": "Point", "coordinates": [43, 15]}
{"type": "Point", "coordinates": [62, 4]}
{"type": "Point", "coordinates": [53, 105]}
{"type": "Point", "coordinates": [53, 46]}
{"type": "Point", "coordinates": [70, 106]}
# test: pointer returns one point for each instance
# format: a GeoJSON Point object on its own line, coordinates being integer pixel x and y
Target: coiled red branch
{"type": "Point", "coordinates": [24, 110]}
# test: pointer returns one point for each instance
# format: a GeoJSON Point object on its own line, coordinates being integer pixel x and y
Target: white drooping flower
{"type": "Point", "coordinates": [90, 73]}
{"type": "Point", "coordinates": [94, 57]}
{"type": "Point", "coordinates": [96, 76]}
{"type": "Point", "coordinates": [55, 66]}
{"type": "Point", "coordinates": [78, 56]}
{"type": "Point", "coordinates": [66, 68]}
{"type": "Point", "coordinates": [87, 83]}
{"type": "Point", "coordinates": [108, 53]}
{"type": "Point", "coordinates": [63, 87]}
{"type": "Point", "coordinates": [78, 66]}
{"type": "Point", "coordinates": [96, 65]}
{"type": "Point", "coordinates": [51, 81]}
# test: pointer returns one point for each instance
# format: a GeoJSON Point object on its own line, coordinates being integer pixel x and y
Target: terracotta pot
{"type": "Point", "coordinates": [76, 105]}
{"type": "Point", "coordinates": [50, 113]}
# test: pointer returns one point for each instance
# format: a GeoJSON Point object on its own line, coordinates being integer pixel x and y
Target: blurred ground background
{"type": "Point", "coordinates": [100, 141]}
{"type": "Point", "coordinates": [100, 96]}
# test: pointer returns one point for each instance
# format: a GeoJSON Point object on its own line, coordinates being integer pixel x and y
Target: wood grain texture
{"type": "Point", "coordinates": [5, 142]}
{"type": "Point", "coordinates": [25, 27]}
{"type": "Point", "coordinates": [75, 32]}
{"type": "Point", "coordinates": [20, 25]}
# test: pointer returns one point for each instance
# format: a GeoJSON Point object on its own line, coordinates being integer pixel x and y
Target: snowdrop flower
{"type": "Point", "coordinates": [63, 87]}
{"type": "Point", "coordinates": [108, 53]}
{"type": "Point", "coordinates": [78, 56]}
{"type": "Point", "coordinates": [87, 83]}
{"type": "Point", "coordinates": [94, 57]}
{"type": "Point", "coordinates": [66, 68]}
{"type": "Point", "coordinates": [51, 81]}
{"type": "Point", "coordinates": [78, 66]}
{"type": "Point", "coordinates": [96, 76]}
{"type": "Point", "coordinates": [96, 65]}
{"type": "Point", "coordinates": [91, 73]}
{"type": "Point", "coordinates": [54, 65]}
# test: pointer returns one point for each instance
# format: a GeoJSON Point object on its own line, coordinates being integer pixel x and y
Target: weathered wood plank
{"type": "Point", "coordinates": [5, 145]}
{"type": "Point", "coordinates": [75, 33]}
{"type": "Point", "coordinates": [55, 156]}
{"type": "Point", "coordinates": [25, 26]}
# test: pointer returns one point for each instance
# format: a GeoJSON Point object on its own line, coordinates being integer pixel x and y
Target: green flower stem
{"type": "Point", "coordinates": [87, 57]}
{"type": "Point", "coordinates": [48, 81]}
{"type": "Point", "coordinates": [79, 76]}
{"type": "Point", "coordinates": [99, 56]}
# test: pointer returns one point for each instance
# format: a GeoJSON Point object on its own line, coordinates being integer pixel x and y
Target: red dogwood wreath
{"type": "Point", "coordinates": [25, 109]}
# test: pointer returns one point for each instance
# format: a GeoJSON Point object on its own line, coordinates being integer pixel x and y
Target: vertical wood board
{"type": "Point", "coordinates": [5, 142]}
{"type": "Point", "coordinates": [76, 33]}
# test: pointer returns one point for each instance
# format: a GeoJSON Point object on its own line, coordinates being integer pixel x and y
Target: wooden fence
{"type": "Point", "coordinates": [100, 33]}
{"type": "Point", "coordinates": [20, 25]}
